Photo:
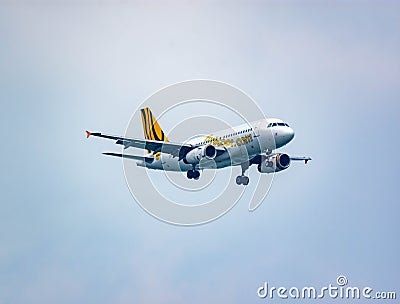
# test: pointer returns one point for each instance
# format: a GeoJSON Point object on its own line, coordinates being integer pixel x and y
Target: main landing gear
{"type": "Point", "coordinates": [242, 179]}
{"type": "Point", "coordinates": [193, 174]}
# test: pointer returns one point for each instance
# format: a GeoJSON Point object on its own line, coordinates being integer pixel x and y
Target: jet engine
{"type": "Point", "coordinates": [194, 156]}
{"type": "Point", "coordinates": [275, 163]}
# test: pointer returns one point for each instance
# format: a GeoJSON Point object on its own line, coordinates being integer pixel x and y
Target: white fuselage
{"type": "Point", "coordinates": [236, 146]}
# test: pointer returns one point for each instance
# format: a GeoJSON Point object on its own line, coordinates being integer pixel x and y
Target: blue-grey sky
{"type": "Point", "coordinates": [70, 229]}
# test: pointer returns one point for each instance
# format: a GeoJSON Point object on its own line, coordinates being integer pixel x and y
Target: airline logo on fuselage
{"type": "Point", "coordinates": [224, 142]}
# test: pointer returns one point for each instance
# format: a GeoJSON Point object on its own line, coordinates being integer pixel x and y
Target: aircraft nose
{"type": "Point", "coordinates": [290, 134]}
{"type": "Point", "coordinates": [283, 137]}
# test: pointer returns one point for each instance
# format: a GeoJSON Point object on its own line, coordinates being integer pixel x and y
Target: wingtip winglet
{"type": "Point", "coordinates": [88, 133]}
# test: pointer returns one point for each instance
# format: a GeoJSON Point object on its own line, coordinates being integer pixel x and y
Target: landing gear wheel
{"type": "Point", "coordinates": [193, 174]}
{"type": "Point", "coordinates": [242, 180]}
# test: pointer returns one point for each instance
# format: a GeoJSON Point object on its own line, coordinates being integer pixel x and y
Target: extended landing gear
{"type": "Point", "coordinates": [242, 179]}
{"type": "Point", "coordinates": [193, 174]}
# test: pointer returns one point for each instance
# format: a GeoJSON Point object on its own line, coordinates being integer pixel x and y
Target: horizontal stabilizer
{"type": "Point", "coordinates": [135, 157]}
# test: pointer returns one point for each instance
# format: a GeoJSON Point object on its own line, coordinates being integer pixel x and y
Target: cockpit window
{"type": "Point", "coordinates": [275, 124]}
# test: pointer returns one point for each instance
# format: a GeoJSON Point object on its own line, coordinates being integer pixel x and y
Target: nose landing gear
{"type": "Point", "coordinates": [193, 174]}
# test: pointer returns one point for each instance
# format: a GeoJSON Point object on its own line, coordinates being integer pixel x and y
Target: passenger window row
{"type": "Point", "coordinates": [226, 136]}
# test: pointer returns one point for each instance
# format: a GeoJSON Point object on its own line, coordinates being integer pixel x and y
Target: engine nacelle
{"type": "Point", "coordinates": [194, 156]}
{"type": "Point", "coordinates": [275, 163]}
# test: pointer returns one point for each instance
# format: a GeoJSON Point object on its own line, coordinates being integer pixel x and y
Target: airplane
{"type": "Point", "coordinates": [244, 145]}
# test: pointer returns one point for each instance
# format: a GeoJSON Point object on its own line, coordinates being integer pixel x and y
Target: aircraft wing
{"type": "Point", "coordinates": [175, 149]}
{"type": "Point", "coordinates": [303, 158]}
{"type": "Point", "coordinates": [257, 159]}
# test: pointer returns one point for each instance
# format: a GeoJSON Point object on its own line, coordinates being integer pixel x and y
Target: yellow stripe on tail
{"type": "Point", "coordinates": [151, 128]}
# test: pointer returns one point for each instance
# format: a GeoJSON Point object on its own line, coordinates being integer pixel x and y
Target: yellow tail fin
{"type": "Point", "coordinates": [151, 128]}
